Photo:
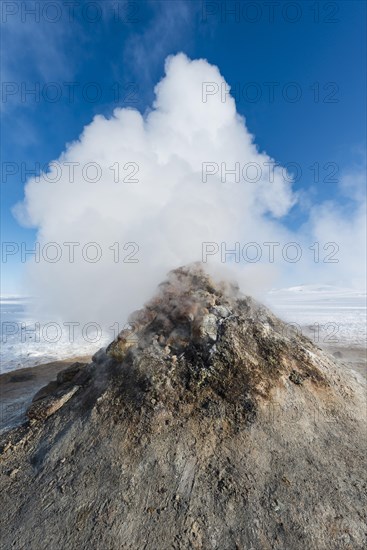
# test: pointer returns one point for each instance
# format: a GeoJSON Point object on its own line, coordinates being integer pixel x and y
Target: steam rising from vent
{"type": "Point", "coordinates": [150, 208]}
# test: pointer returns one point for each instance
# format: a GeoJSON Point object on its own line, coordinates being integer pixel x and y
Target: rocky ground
{"type": "Point", "coordinates": [17, 389]}
{"type": "Point", "coordinates": [206, 425]}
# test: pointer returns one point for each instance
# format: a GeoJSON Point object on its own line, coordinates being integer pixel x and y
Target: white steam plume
{"type": "Point", "coordinates": [168, 212]}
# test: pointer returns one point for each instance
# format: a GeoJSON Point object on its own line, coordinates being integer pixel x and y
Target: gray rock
{"type": "Point", "coordinates": [208, 327]}
{"type": "Point", "coordinates": [43, 408]}
{"type": "Point", "coordinates": [221, 311]}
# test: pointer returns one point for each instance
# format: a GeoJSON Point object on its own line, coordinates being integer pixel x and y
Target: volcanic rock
{"type": "Point", "coordinates": [208, 424]}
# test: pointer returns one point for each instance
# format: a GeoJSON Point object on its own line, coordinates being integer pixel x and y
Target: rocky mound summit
{"type": "Point", "coordinates": [207, 424]}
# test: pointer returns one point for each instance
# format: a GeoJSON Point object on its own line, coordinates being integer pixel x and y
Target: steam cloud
{"type": "Point", "coordinates": [169, 211]}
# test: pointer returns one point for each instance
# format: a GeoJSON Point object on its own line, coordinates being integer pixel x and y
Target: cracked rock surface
{"type": "Point", "coordinates": [208, 424]}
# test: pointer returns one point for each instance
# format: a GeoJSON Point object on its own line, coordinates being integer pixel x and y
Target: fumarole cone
{"type": "Point", "coordinates": [207, 424]}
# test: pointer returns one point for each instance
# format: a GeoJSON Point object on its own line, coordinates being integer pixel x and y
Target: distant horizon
{"type": "Point", "coordinates": [306, 286]}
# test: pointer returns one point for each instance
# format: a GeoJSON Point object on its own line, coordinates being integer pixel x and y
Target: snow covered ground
{"type": "Point", "coordinates": [26, 343]}
{"type": "Point", "coordinates": [327, 314]}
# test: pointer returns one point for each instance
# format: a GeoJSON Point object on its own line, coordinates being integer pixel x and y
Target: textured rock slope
{"type": "Point", "coordinates": [208, 424]}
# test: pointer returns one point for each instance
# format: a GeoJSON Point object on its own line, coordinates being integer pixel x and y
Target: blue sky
{"type": "Point", "coordinates": [315, 50]}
